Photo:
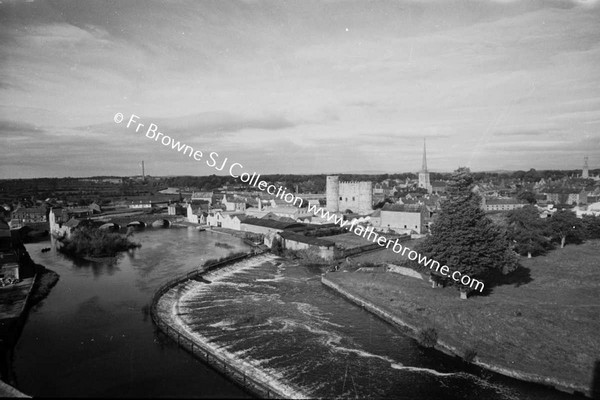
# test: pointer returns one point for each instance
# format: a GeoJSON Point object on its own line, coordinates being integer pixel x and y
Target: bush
{"type": "Point", "coordinates": [91, 242]}
{"type": "Point", "coordinates": [427, 337]}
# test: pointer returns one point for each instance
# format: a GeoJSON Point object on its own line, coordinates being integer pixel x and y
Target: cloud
{"type": "Point", "coordinates": [17, 127]}
{"type": "Point", "coordinates": [520, 133]}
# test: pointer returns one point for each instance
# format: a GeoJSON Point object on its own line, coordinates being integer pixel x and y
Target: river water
{"type": "Point", "coordinates": [93, 335]}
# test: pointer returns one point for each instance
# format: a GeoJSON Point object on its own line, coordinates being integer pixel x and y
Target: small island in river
{"type": "Point", "coordinates": [92, 243]}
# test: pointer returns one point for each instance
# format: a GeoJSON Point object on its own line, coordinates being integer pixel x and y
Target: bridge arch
{"type": "Point", "coordinates": [136, 224]}
{"type": "Point", "coordinates": [161, 223]}
{"type": "Point", "coordinates": [111, 226]}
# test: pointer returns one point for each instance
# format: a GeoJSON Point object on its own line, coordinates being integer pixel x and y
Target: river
{"type": "Point", "coordinates": [93, 335]}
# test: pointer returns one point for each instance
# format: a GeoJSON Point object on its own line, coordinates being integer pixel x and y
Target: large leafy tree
{"type": "Point", "coordinates": [527, 230]}
{"type": "Point", "coordinates": [527, 196]}
{"type": "Point", "coordinates": [591, 225]}
{"type": "Point", "coordinates": [566, 227]}
{"type": "Point", "coordinates": [464, 239]}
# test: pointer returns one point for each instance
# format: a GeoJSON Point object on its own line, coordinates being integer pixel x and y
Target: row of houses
{"type": "Point", "coordinates": [22, 216]}
{"type": "Point", "coordinates": [10, 255]}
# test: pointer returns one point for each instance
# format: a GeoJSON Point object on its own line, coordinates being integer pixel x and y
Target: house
{"type": "Point", "coordinates": [196, 216]}
{"type": "Point", "coordinates": [233, 204]}
{"type": "Point", "coordinates": [176, 209]}
{"type": "Point", "coordinates": [140, 204]}
{"type": "Point", "coordinates": [79, 212]}
{"type": "Point", "coordinates": [505, 204]}
{"type": "Point", "coordinates": [25, 215]}
{"type": "Point", "coordinates": [9, 258]}
{"type": "Point", "coordinates": [208, 197]}
{"type": "Point", "coordinates": [295, 241]}
{"type": "Point", "coordinates": [228, 220]}
{"type": "Point", "coordinates": [404, 218]}
{"type": "Point", "coordinates": [439, 187]}
{"type": "Point", "coordinates": [566, 196]}
{"type": "Point", "coordinates": [61, 222]}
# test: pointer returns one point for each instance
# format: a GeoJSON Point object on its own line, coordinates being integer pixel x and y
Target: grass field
{"type": "Point", "coordinates": [548, 327]}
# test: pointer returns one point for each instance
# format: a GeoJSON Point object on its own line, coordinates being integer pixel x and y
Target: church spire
{"type": "Point", "coordinates": [424, 166]}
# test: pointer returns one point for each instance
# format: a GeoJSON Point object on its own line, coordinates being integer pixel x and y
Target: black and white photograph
{"type": "Point", "coordinates": [293, 199]}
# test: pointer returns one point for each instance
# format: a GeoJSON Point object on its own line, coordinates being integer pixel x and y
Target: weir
{"type": "Point", "coordinates": [243, 374]}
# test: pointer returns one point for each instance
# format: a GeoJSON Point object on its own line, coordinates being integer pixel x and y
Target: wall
{"type": "Point", "coordinates": [399, 220]}
{"type": "Point", "coordinates": [355, 196]}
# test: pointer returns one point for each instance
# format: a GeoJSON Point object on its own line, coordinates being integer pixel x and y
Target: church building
{"type": "Point", "coordinates": [424, 181]}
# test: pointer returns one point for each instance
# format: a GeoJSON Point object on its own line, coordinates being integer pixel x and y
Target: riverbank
{"type": "Point", "coordinates": [165, 311]}
{"type": "Point", "coordinates": [525, 332]}
{"type": "Point", "coordinates": [15, 302]}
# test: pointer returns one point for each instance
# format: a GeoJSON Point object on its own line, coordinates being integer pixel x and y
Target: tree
{"type": "Point", "coordinates": [276, 247]}
{"type": "Point", "coordinates": [527, 229]}
{"type": "Point", "coordinates": [527, 196]}
{"type": "Point", "coordinates": [464, 238]}
{"type": "Point", "coordinates": [565, 226]}
{"type": "Point", "coordinates": [591, 226]}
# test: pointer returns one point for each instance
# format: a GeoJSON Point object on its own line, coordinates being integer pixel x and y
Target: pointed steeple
{"type": "Point", "coordinates": [424, 166]}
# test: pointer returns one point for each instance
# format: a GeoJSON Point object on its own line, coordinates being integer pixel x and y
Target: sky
{"type": "Point", "coordinates": [329, 86]}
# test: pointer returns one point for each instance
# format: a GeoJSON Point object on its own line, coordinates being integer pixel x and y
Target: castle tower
{"type": "Point", "coordinates": [585, 174]}
{"type": "Point", "coordinates": [365, 197]}
{"type": "Point", "coordinates": [423, 174]}
{"type": "Point", "coordinates": [333, 193]}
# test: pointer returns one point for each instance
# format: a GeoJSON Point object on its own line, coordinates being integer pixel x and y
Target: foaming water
{"type": "Point", "coordinates": [278, 317]}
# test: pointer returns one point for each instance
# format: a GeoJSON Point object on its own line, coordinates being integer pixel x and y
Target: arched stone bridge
{"type": "Point", "coordinates": [143, 220]}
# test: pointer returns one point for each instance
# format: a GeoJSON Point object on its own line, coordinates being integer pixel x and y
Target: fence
{"type": "Point", "coordinates": [201, 351]}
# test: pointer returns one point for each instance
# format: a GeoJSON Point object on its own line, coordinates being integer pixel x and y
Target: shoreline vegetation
{"type": "Point", "coordinates": [95, 244]}
{"type": "Point", "coordinates": [524, 331]}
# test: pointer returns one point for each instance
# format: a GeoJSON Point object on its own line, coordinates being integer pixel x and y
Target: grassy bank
{"type": "Point", "coordinates": [547, 327]}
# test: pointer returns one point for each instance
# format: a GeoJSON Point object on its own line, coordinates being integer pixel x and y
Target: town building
{"type": "Point", "coordinates": [497, 204]}
{"type": "Point", "coordinates": [404, 218]}
{"type": "Point", "coordinates": [566, 196]}
{"type": "Point", "coordinates": [295, 241]}
{"type": "Point", "coordinates": [354, 196]}
{"type": "Point", "coordinates": [140, 204]}
{"type": "Point", "coordinates": [196, 215]}
{"type": "Point", "coordinates": [9, 257]}
{"type": "Point", "coordinates": [208, 197]}
{"type": "Point", "coordinates": [26, 215]}
{"type": "Point", "coordinates": [228, 220]}
{"type": "Point", "coordinates": [233, 204]}
{"type": "Point", "coordinates": [176, 209]}
{"type": "Point", "coordinates": [424, 182]}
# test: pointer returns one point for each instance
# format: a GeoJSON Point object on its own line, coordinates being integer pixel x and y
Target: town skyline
{"type": "Point", "coordinates": [300, 87]}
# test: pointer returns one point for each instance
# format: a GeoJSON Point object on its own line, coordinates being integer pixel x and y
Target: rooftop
{"type": "Point", "coordinates": [306, 239]}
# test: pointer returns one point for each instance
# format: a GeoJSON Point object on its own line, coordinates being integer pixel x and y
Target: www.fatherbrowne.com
{"type": "Point", "coordinates": [236, 170]}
